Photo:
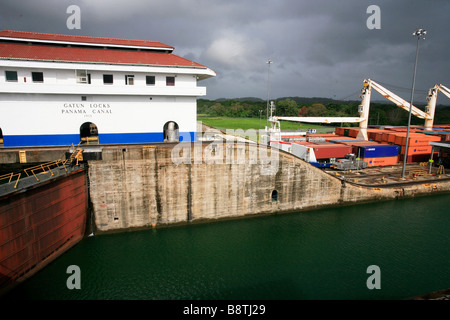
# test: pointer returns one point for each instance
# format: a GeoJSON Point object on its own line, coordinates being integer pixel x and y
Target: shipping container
{"type": "Point", "coordinates": [416, 139]}
{"type": "Point", "coordinates": [346, 132]}
{"type": "Point", "coordinates": [444, 135]}
{"type": "Point", "coordinates": [381, 150]}
{"type": "Point", "coordinates": [285, 146]}
{"type": "Point", "coordinates": [315, 139]}
{"type": "Point", "coordinates": [303, 152]}
{"type": "Point", "coordinates": [417, 150]}
{"type": "Point", "coordinates": [400, 139]}
{"type": "Point", "coordinates": [304, 143]}
{"type": "Point", "coordinates": [321, 142]}
{"type": "Point", "coordinates": [391, 137]}
{"type": "Point", "coordinates": [381, 161]}
{"type": "Point", "coordinates": [341, 138]}
{"type": "Point", "coordinates": [331, 151]}
{"type": "Point", "coordinates": [421, 140]}
{"type": "Point", "coordinates": [356, 144]}
{"type": "Point", "coordinates": [415, 158]}
{"type": "Point", "coordinates": [353, 132]}
{"type": "Point", "coordinates": [321, 135]}
{"type": "Point", "coordinates": [339, 131]}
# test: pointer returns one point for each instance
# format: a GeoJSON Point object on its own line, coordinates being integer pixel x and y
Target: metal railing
{"type": "Point", "coordinates": [73, 160]}
{"type": "Point", "coordinates": [10, 176]}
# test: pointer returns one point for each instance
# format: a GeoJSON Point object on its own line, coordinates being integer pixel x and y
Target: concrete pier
{"type": "Point", "coordinates": [142, 186]}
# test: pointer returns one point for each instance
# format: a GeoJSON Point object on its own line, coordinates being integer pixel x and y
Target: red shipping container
{"type": "Point", "coordinates": [321, 135]}
{"type": "Point", "coordinates": [392, 137]}
{"type": "Point", "coordinates": [359, 143]}
{"type": "Point", "coordinates": [339, 131]}
{"type": "Point", "coordinates": [353, 132]}
{"type": "Point", "coordinates": [339, 138]}
{"type": "Point", "coordinates": [371, 135]}
{"type": "Point", "coordinates": [303, 143]}
{"type": "Point", "coordinates": [385, 136]}
{"type": "Point", "coordinates": [327, 151]}
{"type": "Point", "coordinates": [416, 158]}
{"type": "Point", "coordinates": [378, 136]}
{"type": "Point", "coordinates": [355, 144]}
{"type": "Point", "coordinates": [381, 161]}
{"type": "Point", "coordinates": [399, 139]}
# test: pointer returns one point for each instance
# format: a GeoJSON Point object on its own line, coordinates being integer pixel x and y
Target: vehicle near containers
{"type": "Point", "coordinates": [350, 162]}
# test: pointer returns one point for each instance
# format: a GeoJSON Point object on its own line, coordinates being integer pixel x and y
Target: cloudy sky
{"type": "Point", "coordinates": [319, 48]}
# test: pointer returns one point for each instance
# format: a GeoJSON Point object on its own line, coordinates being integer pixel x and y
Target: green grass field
{"type": "Point", "coordinates": [253, 123]}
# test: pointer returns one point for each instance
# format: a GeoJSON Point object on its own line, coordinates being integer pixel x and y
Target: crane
{"type": "Point", "coordinates": [363, 109]}
{"type": "Point", "coordinates": [431, 106]}
{"type": "Point", "coordinates": [274, 130]}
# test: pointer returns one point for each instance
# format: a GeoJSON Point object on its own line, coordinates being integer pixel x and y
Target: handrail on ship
{"type": "Point", "coordinates": [11, 176]}
{"type": "Point", "coordinates": [75, 156]}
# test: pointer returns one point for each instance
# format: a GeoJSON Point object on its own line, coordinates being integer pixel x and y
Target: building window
{"type": "Point", "coordinates": [11, 75]}
{"type": "Point", "coordinates": [37, 76]}
{"type": "Point", "coordinates": [107, 78]}
{"type": "Point", "coordinates": [129, 80]}
{"type": "Point", "coordinates": [170, 81]}
{"type": "Point", "coordinates": [81, 76]}
{"type": "Point", "coordinates": [150, 80]}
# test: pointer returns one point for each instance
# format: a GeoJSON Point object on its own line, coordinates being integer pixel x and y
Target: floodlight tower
{"type": "Point", "coordinates": [419, 33]}
{"type": "Point", "coordinates": [268, 89]}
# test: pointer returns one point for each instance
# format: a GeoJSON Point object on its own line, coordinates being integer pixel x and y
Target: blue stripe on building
{"type": "Point", "coordinates": [104, 138]}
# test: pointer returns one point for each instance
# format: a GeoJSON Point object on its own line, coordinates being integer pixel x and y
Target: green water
{"type": "Point", "coordinates": [321, 254]}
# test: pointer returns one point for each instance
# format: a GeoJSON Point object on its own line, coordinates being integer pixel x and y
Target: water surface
{"type": "Point", "coordinates": [321, 254]}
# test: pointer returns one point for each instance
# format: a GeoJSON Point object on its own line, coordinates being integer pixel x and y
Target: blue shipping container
{"type": "Point", "coordinates": [377, 151]}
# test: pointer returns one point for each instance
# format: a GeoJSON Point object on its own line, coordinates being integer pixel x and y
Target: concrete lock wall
{"type": "Point", "coordinates": [160, 185]}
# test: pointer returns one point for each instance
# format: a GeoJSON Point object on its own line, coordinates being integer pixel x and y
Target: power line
{"type": "Point", "coordinates": [350, 95]}
{"type": "Point", "coordinates": [402, 89]}
{"type": "Point", "coordinates": [392, 87]}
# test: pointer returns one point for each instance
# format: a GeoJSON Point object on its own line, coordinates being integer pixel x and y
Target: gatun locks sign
{"type": "Point", "coordinates": [86, 108]}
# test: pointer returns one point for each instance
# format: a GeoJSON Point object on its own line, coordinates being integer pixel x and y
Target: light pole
{"type": "Point", "coordinates": [268, 88]}
{"type": "Point", "coordinates": [260, 112]}
{"type": "Point", "coordinates": [418, 33]}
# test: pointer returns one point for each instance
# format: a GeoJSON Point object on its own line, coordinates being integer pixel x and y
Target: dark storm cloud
{"type": "Point", "coordinates": [318, 48]}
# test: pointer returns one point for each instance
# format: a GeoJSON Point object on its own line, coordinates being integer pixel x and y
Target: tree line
{"type": "Point", "coordinates": [380, 113]}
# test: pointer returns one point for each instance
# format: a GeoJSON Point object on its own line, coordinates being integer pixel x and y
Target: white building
{"type": "Point", "coordinates": [60, 89]}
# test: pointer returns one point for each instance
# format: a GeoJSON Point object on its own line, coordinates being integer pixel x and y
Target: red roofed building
{"type": "Point", "coordinates": [60, 89]}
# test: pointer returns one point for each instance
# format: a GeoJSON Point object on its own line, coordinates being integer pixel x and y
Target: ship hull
{"type": "Point", "coordinates": [39, 224]}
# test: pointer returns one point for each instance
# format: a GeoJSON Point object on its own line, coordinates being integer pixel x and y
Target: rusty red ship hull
{"type": "Point", "coordinates": [39, 224]}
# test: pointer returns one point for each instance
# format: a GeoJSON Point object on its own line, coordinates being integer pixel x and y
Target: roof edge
{"type": "Point", "coordinates": [28, 36]}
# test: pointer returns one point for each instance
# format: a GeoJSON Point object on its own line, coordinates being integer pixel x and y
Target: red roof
{"type": "Point", "coordinates": [91, 55]}
{"type": "Point", "coordinates": [81, 39]}
{"type": "Point", "coordinates": [54, 47]}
